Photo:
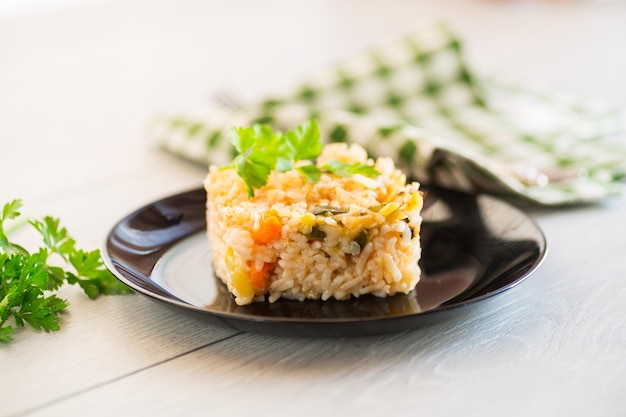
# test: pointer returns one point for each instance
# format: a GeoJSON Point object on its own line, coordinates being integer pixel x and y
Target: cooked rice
{"type": "Point", "coordinates": [338, 238]}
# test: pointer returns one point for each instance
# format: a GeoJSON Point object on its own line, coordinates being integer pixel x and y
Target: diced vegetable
{"type": "Point", "coordinates": [327, 210]}
{"type": "Point", "coordinates": [389, 208]}
{"type": "Point", "coordinates": [239, 274]}
{"type": "Point", "coordinates": [258, 279]}
{"type": "Point", "coordinates": [316, 233]}
{"type": "Point", "coordinates": [269, 229]}
{"type": "Point", "coordinates": [361, 239]}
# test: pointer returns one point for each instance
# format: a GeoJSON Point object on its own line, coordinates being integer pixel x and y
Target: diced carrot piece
{"type": "Point", "coordinates": [258, 279]}
{"type": "Point", "coordinates": [269, 230]}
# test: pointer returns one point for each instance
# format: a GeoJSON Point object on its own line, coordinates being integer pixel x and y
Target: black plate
{"type": "Point", "coordinates": [474, 247]}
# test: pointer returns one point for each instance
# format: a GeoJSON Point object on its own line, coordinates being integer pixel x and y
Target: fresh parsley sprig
{"type": "Point", "coordinates": [261, 150]}
{"type": "Point", "coordinates": [28, 280]}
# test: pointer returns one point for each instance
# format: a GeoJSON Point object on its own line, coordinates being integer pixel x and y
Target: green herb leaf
{"type": "Point", "coordinates": [26, 279]}
{"type": "Point", "coordinates": [283, 164]}
{"type": "Point", "coordinates": [242, 138]}
{"type": "Point", "coordinates": [321, 210]}
{"type": "Point", "coordinates": [348, 170]}
{"type": "Point", "coordinates": [5, 334]}
{"type": "Point", "coordinates": [54, 236]}
{"type": "Point", "coordinates": [9, 212]}
{"type": "Point", "coordinates": [261, 151]}
{"type": "Point", "coordinates": [40, 312]}
{"type": "Point", "coordinates": [92, 277]}
{"type": "Point", "coordinates": [305, 141]}
{"type": "Point", "coordinates": [311, 172]}
{"type": "Point", "coordinates": [254, 170]}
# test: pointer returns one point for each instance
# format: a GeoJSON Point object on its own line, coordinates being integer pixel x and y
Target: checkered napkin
{"type": "Point", "coordinates": [417, 101]}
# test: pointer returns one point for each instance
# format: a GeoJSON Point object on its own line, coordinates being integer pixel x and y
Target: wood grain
{"type": "Point", "coordinates": [77, 88]}
{"type": "Point", "coordinates": [473, 367]}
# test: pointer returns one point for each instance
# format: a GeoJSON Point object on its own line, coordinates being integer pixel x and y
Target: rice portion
{"type": "Point", "coordinates": [337, 238]}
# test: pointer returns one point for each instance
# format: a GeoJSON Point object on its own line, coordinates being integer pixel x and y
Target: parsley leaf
{"type": "Point", "coordinates": [27, 280]}
{"type": "Point", "coordinates": [311, 172]}
{"type": "Point", "coordinates": [304, 141]}
{"type": "Point", "coordinates": [262, 150]}
{"type": "Point", "coordinates": [258, 147]}
{"type": "Point", "coordinates": [54, 237]}
{"type": "Point", "coordinates": [348, 170]}
{"type": "Point", "coordinates": [10, 212]}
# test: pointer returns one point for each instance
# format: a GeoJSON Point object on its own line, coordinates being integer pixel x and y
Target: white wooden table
{"type": "Point", "coordinates": [77, 85]}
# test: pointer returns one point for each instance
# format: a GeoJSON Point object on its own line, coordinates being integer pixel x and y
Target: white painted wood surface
{"type": "Point", "coordinates": [77, 86]}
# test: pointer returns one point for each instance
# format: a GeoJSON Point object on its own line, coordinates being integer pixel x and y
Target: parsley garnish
{"type": "Point", "coordinates": [262, 150]}
{"type": "Point", "coordinates": [28, 280]}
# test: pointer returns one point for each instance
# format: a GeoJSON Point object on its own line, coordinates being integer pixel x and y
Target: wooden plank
{"type": "Point", "coordinates": [531, 348]}
{"type": "Point", "coordinates": [111, 337]}
{"type": "Point", "coordinates": [78, 86]}
{"type": "Point", "coordinates": [99, 341]}
{"type": "Point", "coordinates": [476, 366]}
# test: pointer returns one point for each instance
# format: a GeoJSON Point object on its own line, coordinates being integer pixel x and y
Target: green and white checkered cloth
{"type": "Point", "coordinates": [417, 101]}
